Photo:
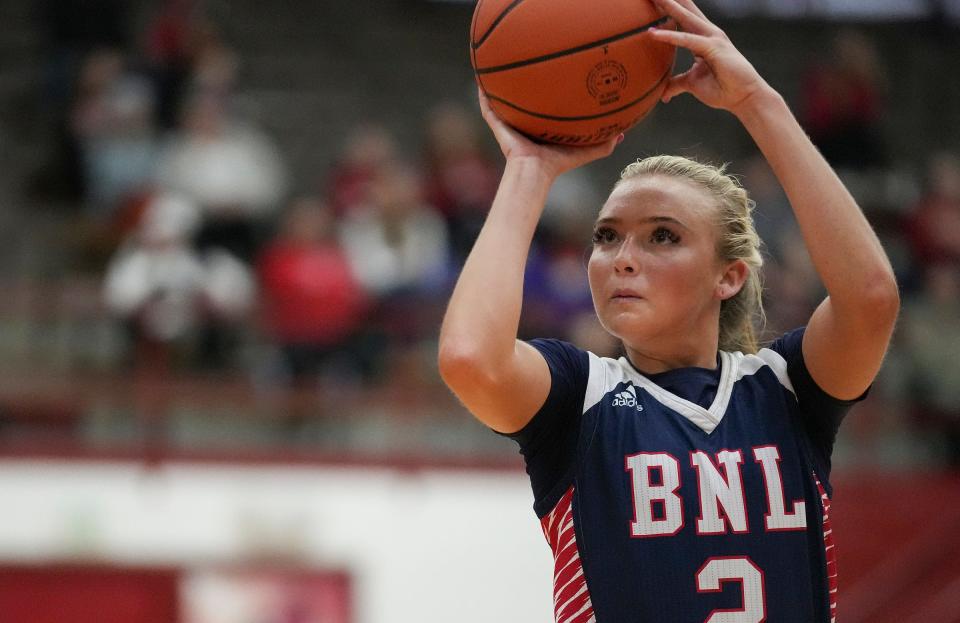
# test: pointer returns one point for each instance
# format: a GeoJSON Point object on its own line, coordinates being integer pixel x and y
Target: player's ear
{"type": "Point", "coordinates": [732, 279]}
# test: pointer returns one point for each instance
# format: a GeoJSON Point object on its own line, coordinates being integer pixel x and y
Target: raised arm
{"type": "Point", "coordinates": [848, 334]}
{"type": "Point", "coordinates": [500, 379]}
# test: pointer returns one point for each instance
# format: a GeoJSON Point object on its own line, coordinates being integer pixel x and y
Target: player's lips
{"type": "Point", "coordinates": [625, 294]}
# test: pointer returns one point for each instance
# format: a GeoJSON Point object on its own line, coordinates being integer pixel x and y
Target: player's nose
{"type": "Point", "coordinates": [625, 262]}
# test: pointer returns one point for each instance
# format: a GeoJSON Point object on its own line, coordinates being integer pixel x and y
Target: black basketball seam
{"type": "Point", "coordinates": [580, 48]}
{"type": "Point", "coordinates": [495, 23]}
{"type": "Point", "coordinates": [473, 33]}
{"type": "Point", "coordinates": [585, 117]}
{"type": "Point", "coordinates": [473, 28]}
{"type": "Point", "coordinates": [473, 49]}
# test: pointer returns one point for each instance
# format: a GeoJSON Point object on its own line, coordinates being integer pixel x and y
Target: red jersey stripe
{"type": "Point", "coordinates": [830, 550]}
{"type": "Point", "coordinates": [571, 597]}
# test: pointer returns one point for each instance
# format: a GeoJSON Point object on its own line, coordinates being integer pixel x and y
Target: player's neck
{"type": "Point", "coordinates": [650, 359]}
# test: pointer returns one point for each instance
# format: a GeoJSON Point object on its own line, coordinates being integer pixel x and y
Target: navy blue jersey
{"type": "Point", "coordinates": [701, 497]}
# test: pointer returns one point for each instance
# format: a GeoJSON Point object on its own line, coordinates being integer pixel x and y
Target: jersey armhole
{"type": "Point", "coordinates": [548, 442]}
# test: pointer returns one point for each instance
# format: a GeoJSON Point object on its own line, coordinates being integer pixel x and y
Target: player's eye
{"type": "Point", "coordinates": [604, 235]}
{"type": "Point", "coordinates": [662, 235]}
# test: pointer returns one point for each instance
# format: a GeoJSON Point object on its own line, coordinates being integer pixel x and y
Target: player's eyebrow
{"type": "Point", "coordinates": [612, 220]}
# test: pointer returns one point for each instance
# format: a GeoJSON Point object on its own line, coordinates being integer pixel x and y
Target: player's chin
{"type": "Point", "coordinates": [621, 321]}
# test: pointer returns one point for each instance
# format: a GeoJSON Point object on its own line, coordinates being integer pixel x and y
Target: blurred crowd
{"type": "Point", "coordinates": [213, 258]}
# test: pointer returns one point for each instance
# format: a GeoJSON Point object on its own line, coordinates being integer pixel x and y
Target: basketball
{"type": "Point", "coordinates": [574, 72]}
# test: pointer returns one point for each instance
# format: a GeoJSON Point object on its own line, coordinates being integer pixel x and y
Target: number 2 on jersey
{"type": "Point", "coordinates": [740, 569]}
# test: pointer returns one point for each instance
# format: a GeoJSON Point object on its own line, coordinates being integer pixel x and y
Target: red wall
{"type": "Point", "coordinates": [87, 594]}
{"type": "Point", "coordinates": [897, 547]}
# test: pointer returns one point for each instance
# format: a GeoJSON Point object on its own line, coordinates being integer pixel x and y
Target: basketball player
{"type": "Point", "coordinates": [689, 480]}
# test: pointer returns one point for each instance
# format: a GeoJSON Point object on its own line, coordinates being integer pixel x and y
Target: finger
{"type": "Point", "coordinates": [487, 112]}
{"type": "Point", "coordinates": [589, 153]}
{"type": "Point", "coordinates": [676, 86]}
{"type": "Point", "coordinates": [605, 149]}
{"type": "Point", "coordinates": [484, 101]}
{"type": "Point", "coordinates": [693, 8]}
{"type": "Point", "coordinates": [698, 44]}
{"type": "Point", "coordinates": [688, 20]}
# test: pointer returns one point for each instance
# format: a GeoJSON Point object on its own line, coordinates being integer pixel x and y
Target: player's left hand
{"type": "Point", "coordinates": [721, 77]}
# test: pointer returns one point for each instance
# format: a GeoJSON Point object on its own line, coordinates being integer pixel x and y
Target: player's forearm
{"type": "Point", "coordinates": [848, 256]}
{"type": "Point", "coordinates": [483, 315]}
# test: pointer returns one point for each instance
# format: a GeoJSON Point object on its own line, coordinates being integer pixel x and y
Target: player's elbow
{"type": "Point", "coordinates": [458, 361]}
{"type": "Point", "coordinates": [876, 305]}
{"type": "Point", "coordinates": [465, 365]}
{"type": "Point", "coordinates": [451, 360]}
{"type": "Point", "coordinates": [869, 305]}
{"type": "Point", "coordinates": [881, 298]}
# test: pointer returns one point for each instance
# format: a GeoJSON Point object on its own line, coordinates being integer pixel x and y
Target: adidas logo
{"type": "Point", "coordinates": [627, 398]}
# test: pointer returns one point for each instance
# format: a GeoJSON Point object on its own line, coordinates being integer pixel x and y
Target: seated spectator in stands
{"type": "Point", "coordinates": [233, 172]}
{"type": "Point", "coordinates": [556, 291]}
{"type": "Point", "coordinates": [773, 217]}
{"type": "Point", "coordinates": [215, 64]}
{"type": "Point", "coordinates": [791, 289]}
{"type": "Point", "coordinates": [168, 42]}
{"type": "Point", "coordinates": [368, 148]}
{"type": "Point", "coordinates": [930, 338]}
{"type": "Point", "coordinates": [311, 307]}
{"type": "Point", "coordinates": [571, 197]}
{"type": "Point", "coordinates": [185, 53]}
{"type": "Point", "coordinates": [397, 247]}
{"type": "Point", "coordinates": [461, 178]}
{"type": "Point", "coordinates": [843, 103]}
{"type": "Point", "coordinates": [167, 293]}
{"type": "Point", "coordinates": [791, 286]}
{"type": "Point", "coordinates": [933, 224]}
{"type": "Point", "coordinates": [70, 30]}
{"type": "Point", "coordinates": [113, 122]}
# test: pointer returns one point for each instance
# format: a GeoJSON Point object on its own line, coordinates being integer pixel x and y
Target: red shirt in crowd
{"type": "Point", "coordinates": [309, 294]}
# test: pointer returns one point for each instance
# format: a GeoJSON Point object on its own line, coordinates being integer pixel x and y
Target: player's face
{"type": "Point", "coordinates": [654, 269]}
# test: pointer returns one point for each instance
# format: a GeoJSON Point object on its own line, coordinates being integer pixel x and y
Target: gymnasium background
{"type": "Point", "coordinates": [228, 233]}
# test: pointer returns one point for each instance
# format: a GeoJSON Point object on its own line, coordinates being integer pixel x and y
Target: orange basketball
{"type": "Point", "coordinates": [576, 72]}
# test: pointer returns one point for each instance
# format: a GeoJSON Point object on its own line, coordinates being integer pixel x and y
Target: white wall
{"type": "Point", "coordinates": [425, 546]}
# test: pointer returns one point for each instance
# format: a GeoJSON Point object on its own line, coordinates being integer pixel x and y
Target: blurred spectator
{"type": "Point", "coordinates": [461, 179]}
{"type": "Point", "coordinates": [166, 292]}
{"type": "Point", "coordinates": [185, 53]}
{"type": "Point", "coordinates": [573, 199]}
{"type": "Point", "coordinates": [933, 224]}
{"type": "Point", "coordinates": [556, 290]}
{"type": "Point", "coordinates": [396, 242]}
{"type": "Point", "coordinates": [167, 47]}
{"type": "Point", "coordinates": [73, 29]}
{"type": "Point", "coordinates": [112, 120]}
{"type": "Point", "coordinates": [398, 249]}
{"type": "Point", "coordinates": [215, 67]}
{"type": "Point", "coordinates": [369, 147]}
{"type": "Point", "coordinates": [773, 215]}
{"type": "Point", "coordinates": [931, 340]}
{"type": "Point", "coordinates": [312, 307]}
{"type": "Point", "coordinates": [843, 103]}
{"type": "Point", "coordinates": [792, 288]}
{"type": "Point", "coordinates": [230, 170]}
{"type": "Point", "coordinates": [587, 333]}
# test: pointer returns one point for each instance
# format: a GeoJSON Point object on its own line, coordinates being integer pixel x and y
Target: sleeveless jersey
{"type": "Point", "coordinates": [661, 509]}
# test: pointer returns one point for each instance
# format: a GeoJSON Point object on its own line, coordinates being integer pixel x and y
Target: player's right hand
{"type": "Point", "coordinates": [556, 159]}
{"type": "Point", "coordinates": [721, 77]}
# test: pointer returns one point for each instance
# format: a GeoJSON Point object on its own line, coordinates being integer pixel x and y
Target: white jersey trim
{"type": "Point", "coordinates": [597, 384]}
{"type": "Point", "coordinates": [606, 374]}
{"type": "Point", "coordinates": [750, 364]}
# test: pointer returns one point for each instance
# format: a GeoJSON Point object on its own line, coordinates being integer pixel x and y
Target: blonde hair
{"type": "Point", "coordinates": [738, 241]}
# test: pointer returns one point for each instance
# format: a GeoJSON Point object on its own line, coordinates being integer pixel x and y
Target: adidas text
{"type": "Point", "coordinates": [627, 399]}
